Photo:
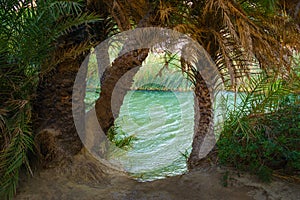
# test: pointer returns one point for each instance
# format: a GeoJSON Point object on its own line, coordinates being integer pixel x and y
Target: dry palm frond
{"type": "Point", "coordinates": [120, 16]}
{"type": "Point", "coordinates": [138, 8]}
{"type": "Point", "coordinates": [241, 40]}
{"type": "Point", "coordinates": [165, 10]}
{"type": "Point", "coordinates": [289, 178]}
{"type": "Point", "coordinates": [125, 12]}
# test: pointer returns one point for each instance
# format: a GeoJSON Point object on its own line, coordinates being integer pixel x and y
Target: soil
{"type": "Point", "coordinates": [82, 177]}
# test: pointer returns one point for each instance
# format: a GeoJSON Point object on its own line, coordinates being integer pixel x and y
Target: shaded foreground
{"type": "Point", "coordinates": [82, 177]}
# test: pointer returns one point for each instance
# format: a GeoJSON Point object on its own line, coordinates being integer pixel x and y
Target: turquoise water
{"type": "Point", "coordinates": [161, 121]}
{"type": "Point", "coordinates": [163, 124]}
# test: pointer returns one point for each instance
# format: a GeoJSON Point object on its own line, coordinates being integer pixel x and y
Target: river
{"type": "Point", "coordinates": [162, 123]}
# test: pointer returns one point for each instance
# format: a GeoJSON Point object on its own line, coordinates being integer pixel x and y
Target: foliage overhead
{"type": "Point", "coordinates": [241, 36]}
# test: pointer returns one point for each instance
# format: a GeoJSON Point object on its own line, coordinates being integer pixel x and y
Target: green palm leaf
{"type": "Point", "coordinates": [28, 35]}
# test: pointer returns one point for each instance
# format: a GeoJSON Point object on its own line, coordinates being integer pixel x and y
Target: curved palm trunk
{"type": "Point", "coordinates": [112, 75]}
{"type": "Point", "coordinates": [122, 65]}
{"type": "Point", "coordinates": [204, 138]}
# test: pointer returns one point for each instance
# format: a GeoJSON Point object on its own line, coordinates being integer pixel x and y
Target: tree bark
{"type": "Point", "coordinates": [56, 133]}
{"type": "Point", "coordinates": [121, 65]}
{"type": "Point", "coordinates": [204, 139]}
{"type": "Point", "coordinates": [110, 78]}
{"type": "Point", "coordinates": [203, 77]}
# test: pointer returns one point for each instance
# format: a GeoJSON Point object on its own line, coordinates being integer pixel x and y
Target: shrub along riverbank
{"type": "Point", "coordinates": [262, 133]}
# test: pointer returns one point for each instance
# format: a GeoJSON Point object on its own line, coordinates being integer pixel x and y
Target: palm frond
{"type": "Point", "coordinates": [247, 35]}
{"type": "Point", "coordinates": [28, 34]}
{"type": "Point", "coordinates": [261, 94]}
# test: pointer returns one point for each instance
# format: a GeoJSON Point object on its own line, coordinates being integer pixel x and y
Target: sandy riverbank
{"type": "Point", "coordinates": [82, 177]}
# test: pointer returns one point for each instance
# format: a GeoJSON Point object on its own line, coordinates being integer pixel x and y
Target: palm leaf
{"type": "Point", "coordinates": [28, 32]}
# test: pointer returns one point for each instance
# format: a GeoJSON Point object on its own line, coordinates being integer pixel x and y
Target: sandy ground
{"type": "Point", "coordinates": [84, 178]}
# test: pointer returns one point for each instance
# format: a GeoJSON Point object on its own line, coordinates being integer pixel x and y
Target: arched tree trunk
{"type": "Point", "coordinates": [203, 76]}
{"type": "Point", "coordinates": [204, 139]}
{"type": "Point", "coordinates": [111, 76]}
{"type": "Point", "coordinates": [120, 66]}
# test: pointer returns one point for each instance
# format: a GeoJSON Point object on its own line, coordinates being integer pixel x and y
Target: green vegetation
{"type": "Point", "coordinates": [27, 36]}
{"type": "Point", "coordinates": [262, 133]}
{"type": "Point", "coordinates": [119, 138]}
{"type": "Point", "coordinates": [225, 178]}
{"type": "Point", "coordinates": [186, 154]}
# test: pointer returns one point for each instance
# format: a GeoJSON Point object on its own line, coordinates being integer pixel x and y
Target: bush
{"type": "Point", "coordinates": [262, 133]}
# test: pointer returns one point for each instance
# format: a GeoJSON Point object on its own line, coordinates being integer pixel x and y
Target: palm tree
{"type": "Point", "coordinates": [56, 133]}
{"type": "Point", "coordinates": [125, 62]}
{"type": "Point", "coordinates": [240, 36]}
{"type": "Point", "coordinates": [28, 35]}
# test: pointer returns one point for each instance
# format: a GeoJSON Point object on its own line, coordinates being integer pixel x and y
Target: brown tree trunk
{"type": "Point", "coordinates": [204, 139]}
{"type": "Point", "coordinates": [57, 137]}
{"type": "Point", "coordinates": [121, 65]}
{"type": "Point", "coordinates": [203, 77]}
{"type": "Point", "coordinates": [56, 134]}
{"type": "Point", "coordinates": [111, 76]}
